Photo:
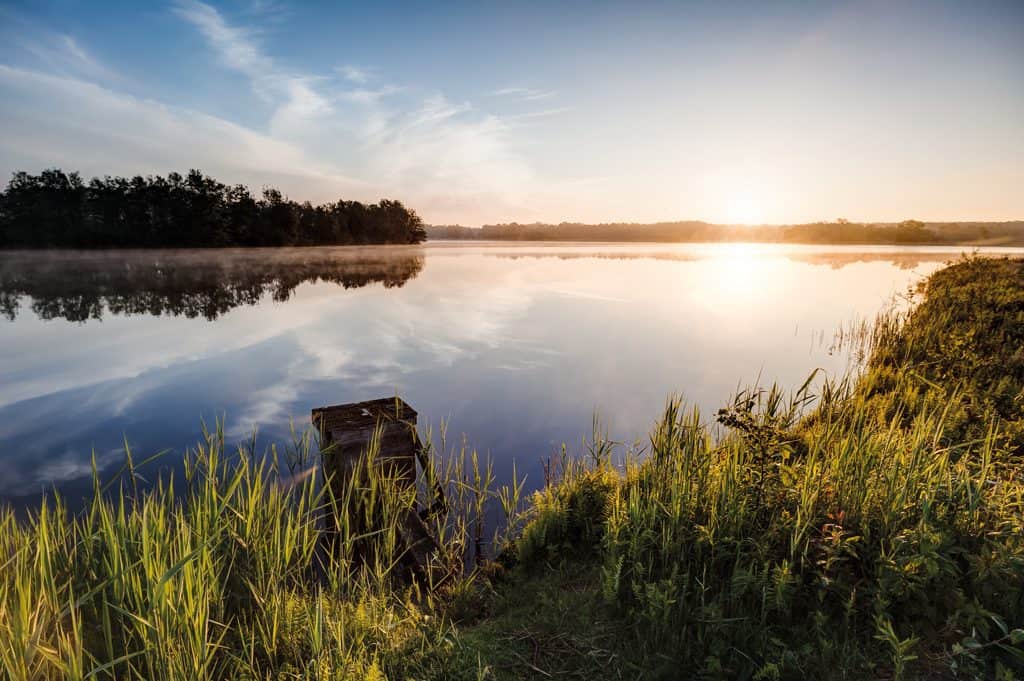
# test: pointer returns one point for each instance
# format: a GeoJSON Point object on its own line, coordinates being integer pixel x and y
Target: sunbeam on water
{"type": "Point", "coordinates": [517, 346]}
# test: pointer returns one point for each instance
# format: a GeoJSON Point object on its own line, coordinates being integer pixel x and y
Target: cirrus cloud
{"type": "Point", "coordinates": [348, 132]}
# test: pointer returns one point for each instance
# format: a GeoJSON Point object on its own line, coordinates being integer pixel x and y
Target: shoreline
{"type": "Point", "coordinates": [857, 505]}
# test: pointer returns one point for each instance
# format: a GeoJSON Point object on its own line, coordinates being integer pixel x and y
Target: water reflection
{"type": "Point", "coordinates": [517, 345]}
{"type": "Point", "coordinates": [78, 286]}
{"type": "Point", "coordinates": [899, 257]}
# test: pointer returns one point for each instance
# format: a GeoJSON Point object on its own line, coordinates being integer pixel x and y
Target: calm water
{"type": "Point", "coordinates": [515, 345]}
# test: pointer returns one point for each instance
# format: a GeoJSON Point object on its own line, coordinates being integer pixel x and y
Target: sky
{"type": "Point", "coordinates": [483, 112]}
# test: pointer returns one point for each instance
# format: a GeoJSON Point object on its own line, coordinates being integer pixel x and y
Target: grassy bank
{"type": "Point", "coordinates": [872, 530]}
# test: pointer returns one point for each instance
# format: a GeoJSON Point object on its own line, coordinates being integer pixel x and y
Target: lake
{"type": "Point", "coordinates": [517, 346]}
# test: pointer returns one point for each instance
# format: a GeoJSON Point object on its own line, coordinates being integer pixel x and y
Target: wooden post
{"type": "Point", "coordinates": [346, 431]}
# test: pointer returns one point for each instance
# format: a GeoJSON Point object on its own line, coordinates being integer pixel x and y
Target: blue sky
{"type": "Point", "coordinates": [480, 112]}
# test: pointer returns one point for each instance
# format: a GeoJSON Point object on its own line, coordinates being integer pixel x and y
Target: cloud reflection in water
{"type": "Point", "coordinates": [517, 344]}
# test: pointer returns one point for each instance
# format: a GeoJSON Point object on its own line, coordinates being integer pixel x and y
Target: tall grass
{"type": "Point", "coordinates": [872, 530]}
{"type": "Point", "coordinates": [858, 533]}
{"type": "Point", "coordinates": [231, 572]}
{"type": "Point", "coordinates": [960, 349]}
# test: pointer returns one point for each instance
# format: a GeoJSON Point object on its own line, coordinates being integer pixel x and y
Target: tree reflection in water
{"type": "Point", "coordinates": [79, 286]}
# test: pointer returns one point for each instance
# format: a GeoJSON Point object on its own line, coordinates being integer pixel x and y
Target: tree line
{"type": "Point", "coordinates": [838, 232]}
{"type": "Point", "coordinates": [57, 209]}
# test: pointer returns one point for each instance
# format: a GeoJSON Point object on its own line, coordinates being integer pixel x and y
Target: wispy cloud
{"type": "Point", "coordinates": [356, 74]}
{"type": "Point", "coordinates": [366, 95]}
{"type": "Point", "coordinates": [524, 93]}
{"type": "Point", "coordinates": [543, 113]}
{"type": "Point", "coordinates": [239, 49]}
{"type": "Point", "coordinates": [110, 129]}
{"type": "Point", "coordinates": [293, 95]}
{"type": "Point", "coordinates": [62, 54]}
{"type": "Point", "coordinates": [430, 150]}
{"type": "Point", "coordinates": [268, 10]}
{"type": "Point", "coordinates": [343, 132]}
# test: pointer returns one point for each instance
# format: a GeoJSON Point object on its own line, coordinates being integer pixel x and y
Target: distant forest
{"type": "Point", "coordinates": [55, 209]}
{"type": "Point", "coordinates": [838, 232]}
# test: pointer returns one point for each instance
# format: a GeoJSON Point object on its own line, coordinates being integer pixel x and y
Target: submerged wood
{"type": "Point", "coordinates": [346, 433]}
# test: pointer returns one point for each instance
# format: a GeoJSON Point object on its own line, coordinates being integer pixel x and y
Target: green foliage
{"type": "Point", "coordinates": [877, 534]}
{"type": "Point", "coordinates": [55, 209]}
{"type": "Point", "coordinates": [226, 574]}
{"type": "Point", "coordinates": [734, 568]}
{"type": "Point", "coordinates": [876, 531]}
{"type": "Point", "coordinates": [567, 518]}
{"type": "Point", "coordinates": [962, 351]}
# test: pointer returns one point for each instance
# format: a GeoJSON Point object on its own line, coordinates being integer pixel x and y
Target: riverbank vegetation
{"type": "Point", "coordinates": [55, 209]}
{"type": "Point", "coordinates": [908, 232]}
{"type": "Point", "coordinates": [872, 529]}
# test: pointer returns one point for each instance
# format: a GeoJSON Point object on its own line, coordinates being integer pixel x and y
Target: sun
{"type": "Point", "coordinates": [742, 209]}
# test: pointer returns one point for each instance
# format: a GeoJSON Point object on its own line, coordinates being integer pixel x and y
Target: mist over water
{"type": "Point", "coordinates": [517, 346]}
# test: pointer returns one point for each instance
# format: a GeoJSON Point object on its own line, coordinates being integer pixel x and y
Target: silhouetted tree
{"type": "Point", "coordinates": [57, 209]}
{"type": "Point", "coordinates": [842, 231]}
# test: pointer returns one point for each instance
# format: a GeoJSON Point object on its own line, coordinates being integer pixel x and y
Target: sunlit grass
{"type": "Point", "coordinates": [873, 529]}
{"type": "Point", "coordinates": [229, 572]}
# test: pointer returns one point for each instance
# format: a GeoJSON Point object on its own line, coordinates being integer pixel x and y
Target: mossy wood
{"type": "Point", "coordinates": [346, 432]}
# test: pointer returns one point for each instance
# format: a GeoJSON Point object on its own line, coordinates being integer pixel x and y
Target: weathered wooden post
{"type": "Point", "coordinates": [347, 429]}
{"type": "Point", "coordinates": [346, 432]}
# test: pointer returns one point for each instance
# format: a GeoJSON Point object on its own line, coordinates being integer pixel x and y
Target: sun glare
{"type": "Point", "coordinates": [742, 209]}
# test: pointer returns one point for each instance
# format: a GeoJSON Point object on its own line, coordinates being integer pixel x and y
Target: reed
{"type": "Point", "coordinates": [873, 529]}
{"type": "Point", "coordinates": [224, 573]}
{"type": "Point", "coordinates": [865, 527]}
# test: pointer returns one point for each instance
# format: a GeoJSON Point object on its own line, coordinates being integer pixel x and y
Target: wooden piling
{"type": "Point", "coordinates": [346, 432]}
